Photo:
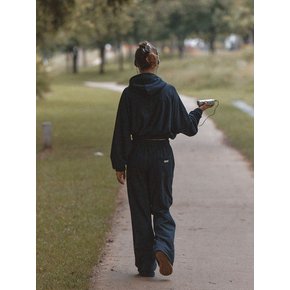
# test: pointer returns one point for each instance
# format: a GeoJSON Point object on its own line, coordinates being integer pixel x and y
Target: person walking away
{"type": "Point", "coordinates": [150, 112]}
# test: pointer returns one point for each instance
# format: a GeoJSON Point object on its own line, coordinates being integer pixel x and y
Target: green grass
{"type": "Point", "coordinates": [76, 190]}
{"type": "Point", "coordinates": [239, 129]}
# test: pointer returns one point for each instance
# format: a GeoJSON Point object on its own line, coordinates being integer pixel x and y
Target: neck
{"type": "Point", "coordinates": [149, 70]}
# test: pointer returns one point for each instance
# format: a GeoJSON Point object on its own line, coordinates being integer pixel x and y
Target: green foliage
{"type": "Point", "coordinates": [50, 16]}
{"type": "Point", "coordinates": [103, 21]}
{"type": "Point", "coordinates": [242, 18]}
{"type": "Point", "coordinates": [97, 22]}
{"type": "Point", "coordinates": [176, 20]}
{"type": "Point", "coordinates": [182, 22]}
{"type": "Point", "coordinates": [90, 24]}
{"type": "Point", "coordinates": [212, 19]}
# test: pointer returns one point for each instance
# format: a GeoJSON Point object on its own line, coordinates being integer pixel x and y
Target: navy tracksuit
{"type": "Point", "coordinates": [150, 112]}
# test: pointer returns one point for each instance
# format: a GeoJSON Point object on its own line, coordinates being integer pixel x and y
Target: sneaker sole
{"type": "Point", "coordinates": [165, 267]}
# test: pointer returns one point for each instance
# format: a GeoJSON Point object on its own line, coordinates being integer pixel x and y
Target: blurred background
{"type": "Point", "coordinates": [206, 50]}
{"type": "Point", "coordinates": [73, 34]}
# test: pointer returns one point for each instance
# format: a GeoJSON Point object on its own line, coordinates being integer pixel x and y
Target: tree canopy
{"type": "Point", "coordinates": [93, 23]}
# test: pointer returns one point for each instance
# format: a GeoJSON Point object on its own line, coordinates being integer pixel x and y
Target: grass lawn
{"type": "Point", "coordinates": [76, 190]}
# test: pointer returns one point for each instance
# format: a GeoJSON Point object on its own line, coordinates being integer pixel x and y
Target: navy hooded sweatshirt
{"type": "Point", "coordinates": [149, 108]}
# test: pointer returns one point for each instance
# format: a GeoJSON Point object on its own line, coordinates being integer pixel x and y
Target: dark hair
{"type": "Point", "coordinates": [146, 55]}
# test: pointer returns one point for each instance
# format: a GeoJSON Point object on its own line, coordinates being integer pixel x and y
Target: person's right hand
{"type": "Point", "coordinates": [205, 106]}
{"type": "Point", "coordinates": [121, 176]}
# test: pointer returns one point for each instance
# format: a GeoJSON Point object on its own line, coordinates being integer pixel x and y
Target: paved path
{"type": "Point", "coordinates": [213, 210]}
{"type": "Point", "coordinates": [244, 107]}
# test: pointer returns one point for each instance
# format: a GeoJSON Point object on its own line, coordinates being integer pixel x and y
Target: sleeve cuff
{"type": "Point", "coordinates": [199, 110]}
{"type": "Point", "coordinates": [120, 168]}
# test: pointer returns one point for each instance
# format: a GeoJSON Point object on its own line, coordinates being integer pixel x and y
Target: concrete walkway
{"type": "Point", "coordinates": [213, 211]}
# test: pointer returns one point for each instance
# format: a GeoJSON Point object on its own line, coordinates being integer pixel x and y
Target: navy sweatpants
{"type": "Point", "coordinates": [149, 182]}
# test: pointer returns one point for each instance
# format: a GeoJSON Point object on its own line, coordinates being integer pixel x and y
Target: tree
{"type": "Point", "coordinates": [177, 20]}
{"type": "Point", "coordinates": [154, 20]}
{"type": "Point", "coordinates": [182, 22]}
{"type": "Point", "coordinates": [119, 26]}
{"type": "Point", "coordinates": [242, 19]}
{"type": "Point", "coordinates": [212, 19]}
{"type": "Point", "coordinates": [96, 23]}
{"type": "Point", "coordinates": [50, 16]}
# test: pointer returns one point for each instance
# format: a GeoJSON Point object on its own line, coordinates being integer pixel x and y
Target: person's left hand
{"type": "Point", "coordinates": [205, 106]}
{"type": "Point", "coordinates": [121, 176]}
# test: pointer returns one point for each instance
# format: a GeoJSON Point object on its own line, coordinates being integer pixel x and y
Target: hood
{"type": "Point", "coordinates": [146, 84]}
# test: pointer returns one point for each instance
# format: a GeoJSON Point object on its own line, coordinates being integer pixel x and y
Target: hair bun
{"type": "Point", "coordinates": [151, 59]}
{"type": "Point", "coordinates": [145, 47]}
{"type": "Point", "coordinates": [146, 56]}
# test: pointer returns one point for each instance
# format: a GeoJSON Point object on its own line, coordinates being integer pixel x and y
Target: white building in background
{"type": "Point", "coordinates": [233, 42]}
{"type": "Point", "coordinates": [194, 43]}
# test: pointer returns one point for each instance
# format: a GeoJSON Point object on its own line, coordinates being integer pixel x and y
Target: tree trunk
{"type": "Point", "coordinates": [212, 39]}
{"type": "Point", "coordinates": [75, 66]}
{"type": "Point", "coordinates": [102, 55]}
{"type": "Point", "coordinates": [67, 61]}
{"type": "Point", "coordinates": [85, 62]}
{"type": "Point", "coordinates": [75, 60]}
{"type": "Point", "coordinates": [47, 135]}
{"type": "Point", "coordinates": [251, 37]}
{"type": "Point", "coordinates": [120, 56]}
{"type": "Point", "coordinates": [172, 47]}
{"type": "Point", "coordinates": [180, 48]}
